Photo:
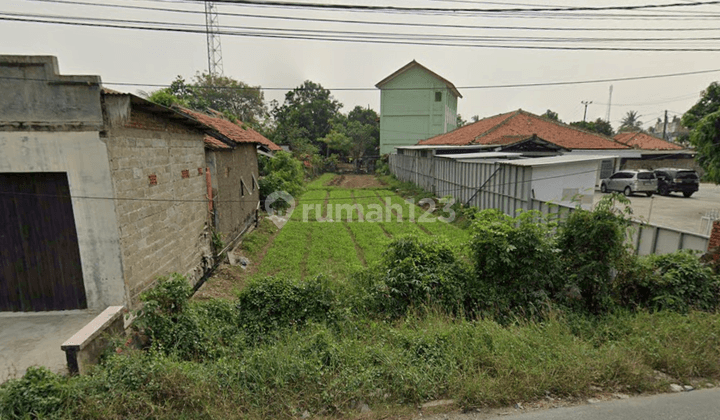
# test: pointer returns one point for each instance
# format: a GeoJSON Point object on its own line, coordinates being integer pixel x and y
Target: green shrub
{"type": "Point", "coordinates": [280, 173]}
{"type": "Point", "coordinates": [592, 243]}
{"type": "Point", "coordinates": [39, 394]}
{"type": "Point", "coordinates": [413, 273]}
{"type": "Point", "coordinates": [276, 303]}
{"type": "Point", "coordinates": [517, 269]}
{"type": "Point", "coordinates": [677, 282]}
{"type": "Point", "coordinates": [191, 330]}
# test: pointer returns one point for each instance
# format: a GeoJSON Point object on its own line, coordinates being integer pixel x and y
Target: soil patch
{"type": "Point", "coordinates": [357, 181]}
{"type": "Point", "coordinates": [228, 279]}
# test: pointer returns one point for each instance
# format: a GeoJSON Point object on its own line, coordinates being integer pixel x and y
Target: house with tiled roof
{"type": "Point", "coordinates": [131, 190]}
{"type": "Point", "coordinates": [644, 141]}
{"type": "Point", "coordinates": [514, 127]}
{"type": "Point", "coordinates": [415, 104]}
{"type": "Point", "coordinates": [655, 152]}
{"type": "Point", "coordinates": [231, 158]}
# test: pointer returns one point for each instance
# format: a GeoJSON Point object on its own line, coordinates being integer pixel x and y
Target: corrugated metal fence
{"type": "Point", "coordinates": [488, 185]}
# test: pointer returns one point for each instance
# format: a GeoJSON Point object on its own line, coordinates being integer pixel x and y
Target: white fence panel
{"type": "Point", "coordinates": [487, 185]}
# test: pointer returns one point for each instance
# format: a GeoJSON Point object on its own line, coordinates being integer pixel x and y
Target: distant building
{"type": "Point", "coordinates": [673, 131]}
{"type": "Point", "coordinates": [415, 104]}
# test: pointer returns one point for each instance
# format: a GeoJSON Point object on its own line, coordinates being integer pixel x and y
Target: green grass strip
{"type": "Point", "coordinates": [332, 251]}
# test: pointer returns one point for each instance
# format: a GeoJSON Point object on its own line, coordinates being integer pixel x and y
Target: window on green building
{"type": "Point", "coordinates": [438, 96]}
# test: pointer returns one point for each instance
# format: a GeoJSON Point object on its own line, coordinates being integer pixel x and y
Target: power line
{"type": "Point", "coordinates": [363, 22]}
{"type": "Point", "coordinates": [503, 86]}
{"type": "Point", "coordinates": [574, 16]}
{"type": "Point", "coordinates": [288, 4]}
{"type": "Point", "coordinates": [370, 40]}
{"type": "Point", "coordinates": [368, 35]}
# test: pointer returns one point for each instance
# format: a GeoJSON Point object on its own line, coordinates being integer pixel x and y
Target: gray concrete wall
{"type": "Point", "coordinates": [233, 168]}
{"type": "Point", "coordinates": [49, 123]}
{"type": "Point", "coordinates": [163, 227]}
{"type": "Point", "coordinates": [34, 95]}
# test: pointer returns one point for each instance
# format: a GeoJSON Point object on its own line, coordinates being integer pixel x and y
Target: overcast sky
{"type": "Point", "coordinates": [154, 57]}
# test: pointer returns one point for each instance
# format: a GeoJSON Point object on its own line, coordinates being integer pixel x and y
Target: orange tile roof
{"type": "Point", "coordinates": [214, 143]}
{"type": "Point", "coordinates": [644, 141]}
{"type": "Point", "coordinates": [511, 127]}
{"type": "Point", "coordinates": [231, 130]}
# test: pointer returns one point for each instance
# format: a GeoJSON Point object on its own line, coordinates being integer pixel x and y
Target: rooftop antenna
{"type": "Point", "coordinates": [607, 116]}
{"type": "Point", "coordinates": [215, 67]}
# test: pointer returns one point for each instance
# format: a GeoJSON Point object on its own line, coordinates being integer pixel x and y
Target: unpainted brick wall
{"type": "Point", "coordinates": [234, 211]}
{"type": "Point", "coordinates": [163, 227]}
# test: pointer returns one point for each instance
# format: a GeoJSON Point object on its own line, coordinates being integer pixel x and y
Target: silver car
{"type": "Point", "coordinates": [630, 182]}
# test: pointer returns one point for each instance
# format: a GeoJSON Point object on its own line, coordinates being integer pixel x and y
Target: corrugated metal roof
{"type": "Point", "coordinates": [557, 160]}
{"type": "Point", "coordinates": [480, 155]}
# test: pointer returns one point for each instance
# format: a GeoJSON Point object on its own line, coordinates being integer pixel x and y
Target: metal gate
{"type": "Point", "coordinates": [39, 255]}
{"type": "Point", "coordinates": [606, 169]}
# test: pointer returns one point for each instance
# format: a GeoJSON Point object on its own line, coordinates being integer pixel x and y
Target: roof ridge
{"type": "Point", "coordinates": [582, 130]}
{"type": "Point", "coordinates": [512, 115]}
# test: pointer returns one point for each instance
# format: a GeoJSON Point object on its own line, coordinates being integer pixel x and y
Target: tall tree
{"type": "Point", "coordinates": [703, 119]}
{"type": "Point", "coordinates": [709, 102]}
{"type": "Point", "coordinates": [225, 94]}
{"type": "Point", "coordinates": [306, 116]}
{"type": "Point", "coordinates": [631, 122]}
{"type": "Point", "coordinates": [599, 126]}
{"type": "Point", "coordinates": [551, 115]}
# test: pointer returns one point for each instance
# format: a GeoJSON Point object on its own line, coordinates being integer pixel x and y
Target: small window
{"type": "Point", "coordinates": [243, 188]}
{"type": "Point", "coordinates": [646, 175]}
{"type": "Point", "coordinates": [438, 96]}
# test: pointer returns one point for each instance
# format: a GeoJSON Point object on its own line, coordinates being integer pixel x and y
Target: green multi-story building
{"type": "Point", "coordinates": [415, 104]}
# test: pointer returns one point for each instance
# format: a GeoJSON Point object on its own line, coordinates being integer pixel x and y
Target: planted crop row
{"type": "Point", "coordinates": [370, 238]}
{"type": "Point", "coordinates": [311, 206]}
{"type": "Point", "coordinates": [341, 206]}
{"type": "Point", "coordinates": [287, 253]}
{"type": "Point", "coordinates": [319, 182]}
{"type": "Point", "coordinates": [332, 251]}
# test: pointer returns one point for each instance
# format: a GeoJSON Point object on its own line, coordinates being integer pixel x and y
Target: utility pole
{"type": "Point", "coordinates": [665, 127]}
{"type": "Point", "coordinates": [586, 103]}
{"type": "Point", "coordinates": [607, 115]}
{"type": "Point", "coordinates": [215, 67]}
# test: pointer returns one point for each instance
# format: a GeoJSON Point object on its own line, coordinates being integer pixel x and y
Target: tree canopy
{"type": "Point", "coordinates": [233, 98]}
{"type": "Point", "coordinates": [551, 115]}
{"type": "Point", "coordinates": [305, 117]}
{"type": "Point", "coordinates": [709, 103]}
{"type": "Point", "coordinates": [631, 122]}
{"type": "Point", "coordinates": [599, 126]}
{"type": "Point", "coordinates": [703, 119]}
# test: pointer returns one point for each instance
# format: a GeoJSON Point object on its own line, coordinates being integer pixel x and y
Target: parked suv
{"type": "Point", "coordinates": [630, 182]}
{"type": "Point", "coordinates": [670, 180]}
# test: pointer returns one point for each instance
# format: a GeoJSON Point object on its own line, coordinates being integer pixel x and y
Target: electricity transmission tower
{"type": "Point", "coordinates": [215, 67]}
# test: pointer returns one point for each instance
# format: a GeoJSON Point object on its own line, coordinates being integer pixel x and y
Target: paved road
{"type": "Point", "coordinates": [676, 211]}
{"type": "Point", "coordinates": [695, 405]}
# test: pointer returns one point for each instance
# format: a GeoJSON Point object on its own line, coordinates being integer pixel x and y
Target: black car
{"type": "Point", "coordinates": [670, 180]}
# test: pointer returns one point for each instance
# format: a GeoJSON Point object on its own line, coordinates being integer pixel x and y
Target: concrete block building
{"type": "Point", "coordinates": [415, 104]}
{"type": "Point", "coordinates": [100, 192]}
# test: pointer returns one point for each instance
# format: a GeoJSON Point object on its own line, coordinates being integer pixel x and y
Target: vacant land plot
{"type": "Point", "coordinates": [335, 230]}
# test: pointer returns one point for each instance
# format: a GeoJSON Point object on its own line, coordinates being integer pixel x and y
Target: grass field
{"type": "Point", "coordinates": [335, 230]}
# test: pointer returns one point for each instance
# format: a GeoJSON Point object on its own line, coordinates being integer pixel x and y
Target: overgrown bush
{"type": "Point", "coordinates": [280, 173]}
{"type": "Point", "coordinates": [413, 273]}
{"type": "Point", "coordinates": [276, 303]}
{"type": "Point", "coordinates": [677, 282]}
{"type": "Point", "coordinates": [517, 266]}
{"type": "Point", "coordinates": [39, 394]}
{"type": "Point", "coordinates": [592, 243]}
{"type": "Point", "coordinates": [190, 330]}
